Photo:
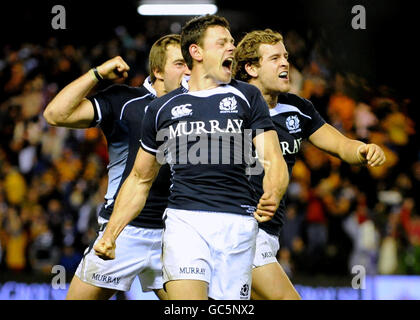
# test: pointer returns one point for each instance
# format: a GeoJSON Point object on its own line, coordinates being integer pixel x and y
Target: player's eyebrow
{"type": "Point", "coordinates": [274, 55]}
{"type": "Point", "coordinates": [227, 39]}
{"type": "Point", "coordinates": [286, 54]}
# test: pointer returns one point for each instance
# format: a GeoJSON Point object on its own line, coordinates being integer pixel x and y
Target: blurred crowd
{"type": "Point", "coordinates": [52, 180]}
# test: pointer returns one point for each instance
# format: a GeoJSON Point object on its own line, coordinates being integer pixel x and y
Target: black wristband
{"type": "Point", "coordinates": [97, 75]}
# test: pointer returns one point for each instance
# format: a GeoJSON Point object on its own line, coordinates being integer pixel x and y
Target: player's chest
{"type": "Point", "coordinates": [225, 114]}
{"type": "Point", "coordinates": [290, 128]}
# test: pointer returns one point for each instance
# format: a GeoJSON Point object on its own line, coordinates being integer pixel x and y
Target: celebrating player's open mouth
{"type": "Point", "coordinates": [227, 65]}
{"type": "Point", "coordinates": [284, 75]}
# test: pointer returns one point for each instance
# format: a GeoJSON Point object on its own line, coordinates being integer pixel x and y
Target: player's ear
{"type": "Point", "coordinates": [251, 69]}
{"type": "Point", "coordinates": [158, 74]}
{"type": "Point", "coordinates": [196, 52]}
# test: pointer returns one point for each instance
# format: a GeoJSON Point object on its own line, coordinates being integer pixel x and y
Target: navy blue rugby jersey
{"type": "Point", "coordinates": [119, 111]}
{"type": "Point", "coordinates": [295, 119]}
{"type": "Point", "coordinates": [206, 137]}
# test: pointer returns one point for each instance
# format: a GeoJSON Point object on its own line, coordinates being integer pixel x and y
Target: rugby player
{"type": "Point", "coordinates": [211, 219]}
{"type": "Point", "coordinates": [261, 59]}
{"type": "Point", "coordinates": [118, 111]}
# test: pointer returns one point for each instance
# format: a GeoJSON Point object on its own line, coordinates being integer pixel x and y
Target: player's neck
{"type": "Point", "coordinates": [159, 86]}
{"type": "Point", "coordinates": [199, 81]}
{"type": "Point", "coordinates": [271, 99]}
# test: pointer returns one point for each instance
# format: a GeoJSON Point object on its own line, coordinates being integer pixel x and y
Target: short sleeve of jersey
{"type": "Point", "coordinates": [317, 120]}
{"type": "Point", "coordinates": [260, 114]}
{"type": "Point", "coordinates": [149, 137]}
{"type": "Point", "coordinates": [104, 104]}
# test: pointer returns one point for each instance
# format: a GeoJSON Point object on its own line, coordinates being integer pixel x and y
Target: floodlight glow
{"type": "Point", "coordinates": [176, 9]}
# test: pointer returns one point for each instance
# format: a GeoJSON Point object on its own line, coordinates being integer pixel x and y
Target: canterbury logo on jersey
{"type": "Point", "coordinates": [181, 111]}
{"type": "Point", "coordinates": [228, 105]}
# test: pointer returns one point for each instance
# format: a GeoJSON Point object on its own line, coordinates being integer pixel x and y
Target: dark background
{"type": "Point", "coordinates": [383, 53]}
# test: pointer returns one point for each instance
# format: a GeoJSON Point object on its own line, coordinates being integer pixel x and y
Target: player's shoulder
{"type": "Point", "coordinates": [119, 96]}
{"type": "Point", "coordinates": [125, 92]}
{"type": "Point", "coordinates": [295, 100]}
{"type": "Point", "coordinates": [157, 103]}
{"type": "Point", "coordinates": [248, 92]}
{"type": "Point", "coordinates": [244, 87]}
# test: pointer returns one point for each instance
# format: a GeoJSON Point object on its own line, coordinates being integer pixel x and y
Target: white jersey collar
{"type": "Point", "coordinates": [148, 85]}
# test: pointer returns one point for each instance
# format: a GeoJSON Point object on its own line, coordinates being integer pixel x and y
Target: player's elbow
{"type": "Point", "coordinates": [50, 117]}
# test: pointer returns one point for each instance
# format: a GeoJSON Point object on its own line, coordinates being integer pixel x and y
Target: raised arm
{"type": "Point", "coordinates": [276, 176]}
{"type": "Point", "coordinates": [130, 201]}
{"type": "Point", "coordinates": [70, 108]}
{"type": "Point", "coordinates": [330, 140]}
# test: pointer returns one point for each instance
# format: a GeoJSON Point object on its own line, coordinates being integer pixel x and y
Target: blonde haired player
{"type": "Point", "coordinates": [261, 59]}
{"type": "Point", "coordinates": [119, 111]}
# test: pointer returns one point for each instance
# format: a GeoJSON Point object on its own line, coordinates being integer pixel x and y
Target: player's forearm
{"type": "Point", "coordinates": [348, 151]}
{"type": "Point", "coordinates": [276, 177]}
{"type": "Point", "coordinates": [66, 103]}
{"type": "Point", "coordinates": [130, 201]}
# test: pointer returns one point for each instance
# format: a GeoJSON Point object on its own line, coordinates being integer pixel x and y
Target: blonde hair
{"type": "Point", "coordinates": [247, 51]}
{"type": "Point", "coordinates": [157, 55]}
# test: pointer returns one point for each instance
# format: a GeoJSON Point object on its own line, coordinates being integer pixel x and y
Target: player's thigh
{"type": "Point", "coordinates": [137, 253]}
{"type": "Point", "coordinates": [233, 258]}
{"type": "Point", "coordinates": [150, 270]}
{"type": "Point", "coordinates": [270, 282]}
{"type": "Point", "coordinates": [80, 290]}
{"type": "Point", "coordinates": [187, 290]}
{"type": "Point", "coordinates": [161, 294]}
{"type": "Point", "coordinates": [185, 253]}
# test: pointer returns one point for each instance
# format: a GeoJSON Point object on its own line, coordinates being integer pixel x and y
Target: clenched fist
{"type": "Point", "coordinates": [114, 68]}
{"type": "Point", "coordinates": [371, 154]}
{"type": "Point", "coordinates": [105, 248]}
{"type": "Point", "coordinates": [266, 207]}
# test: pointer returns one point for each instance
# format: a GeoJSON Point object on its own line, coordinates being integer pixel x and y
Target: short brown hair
{"type": "Point", "coordinates": [193, 33]}
{"type": "Point", "coordinates": [157, 54]}
{"type": "Point", "coordinates": [247, 51]}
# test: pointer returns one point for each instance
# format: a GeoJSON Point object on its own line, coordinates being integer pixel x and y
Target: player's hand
{"type": "Point", "coordinates": [266, 207]}
{"type": "Point", "coordinates": [372, 155]}
{"type": "Point", "coordinates": [114, 68]}
{"type": "Point", "coordinates": [105, 248]}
